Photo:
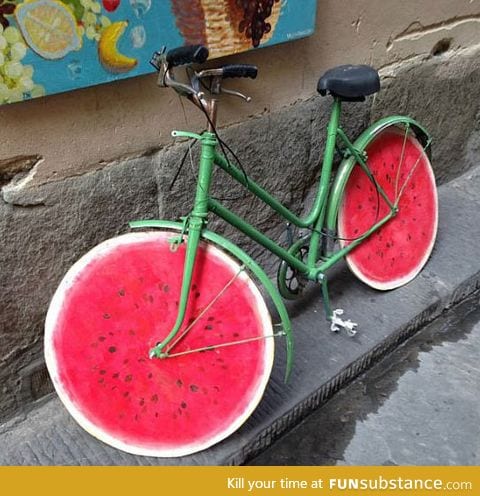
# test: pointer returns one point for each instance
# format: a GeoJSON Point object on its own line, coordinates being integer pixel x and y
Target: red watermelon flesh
{"type": "Point", "coordinates": [395, 254]}
{"type": "Point", "coordinates": [115, 305]}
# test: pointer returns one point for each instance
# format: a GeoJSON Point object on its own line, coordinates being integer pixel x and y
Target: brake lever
{"type": "Point", "coordinates": [248, 99]}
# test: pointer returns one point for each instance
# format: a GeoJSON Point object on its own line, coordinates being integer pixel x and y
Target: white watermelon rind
{"type": "Point", "coordinates": [96, 431]}
{"type": "Point", "coordinates": [397, 283]}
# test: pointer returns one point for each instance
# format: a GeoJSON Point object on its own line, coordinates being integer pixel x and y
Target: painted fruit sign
{"type": "Point", "coordinates": [51, 46]}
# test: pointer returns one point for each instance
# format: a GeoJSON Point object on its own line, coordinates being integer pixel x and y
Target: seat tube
{"type": "Point", "coordinates": [325, 177]}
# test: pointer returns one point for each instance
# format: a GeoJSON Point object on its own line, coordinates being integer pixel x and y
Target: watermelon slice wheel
{"type": "Point", "coordinates": [397, 252]}
{"type": "Point", "coordinates": [118, 301]}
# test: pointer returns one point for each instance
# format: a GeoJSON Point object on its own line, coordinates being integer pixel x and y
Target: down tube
{"type": "Point", "coordinates": [251, 232]}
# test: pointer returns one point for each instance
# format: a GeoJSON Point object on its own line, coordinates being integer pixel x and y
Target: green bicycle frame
{"type": "Point", "coordinates": [320, 220]}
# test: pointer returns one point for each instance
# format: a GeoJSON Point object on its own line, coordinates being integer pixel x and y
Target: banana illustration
{"type": "Point", "coordinates": [111, 59]}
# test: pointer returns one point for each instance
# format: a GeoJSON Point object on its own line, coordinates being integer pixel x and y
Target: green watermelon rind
{"type": "Point", "coordinates": [397, 283]}
{"type": "Point", "coordinates": [74, 410]}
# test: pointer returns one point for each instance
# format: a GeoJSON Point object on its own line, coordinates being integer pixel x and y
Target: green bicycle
{"type": "Point", "coordinates": [159, 341]}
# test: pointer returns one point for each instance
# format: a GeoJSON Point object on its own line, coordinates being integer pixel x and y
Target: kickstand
{"type": "Point", "coordinates": [333, 316]}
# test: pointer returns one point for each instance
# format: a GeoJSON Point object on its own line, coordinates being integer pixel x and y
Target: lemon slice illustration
{"type": "Point", "coordinates": [49, 28]}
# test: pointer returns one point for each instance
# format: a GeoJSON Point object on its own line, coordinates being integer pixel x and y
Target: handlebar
{"type": "Point", "coordinates": [193, 54]}
{"type": "Point", "coordinates": [166, 62]}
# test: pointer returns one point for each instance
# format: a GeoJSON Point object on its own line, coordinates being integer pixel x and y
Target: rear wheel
{"type": "Point", "coordinates": [116, 303]}
{"type": "Point", "coordinates": [394, 254]}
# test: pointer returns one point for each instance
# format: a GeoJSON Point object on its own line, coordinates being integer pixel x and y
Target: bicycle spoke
{"type": "Point", "coordinates": [402, 156]}
{"type": "Point", "coordinates": [410, 174]}
{"type": "Point", "coordinates": [224, 345]}
{"type": "Point", "coordinates": [205, 310]}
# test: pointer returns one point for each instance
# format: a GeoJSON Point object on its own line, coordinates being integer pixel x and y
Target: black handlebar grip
{"type": "Point", "coordinates": [187, 55]}
{"type": "Point", "coordinates": [240, 70]}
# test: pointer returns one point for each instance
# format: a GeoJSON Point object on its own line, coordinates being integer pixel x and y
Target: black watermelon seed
{"type": "Point", "coordinates": [166, 288]}
{"type": "Point", "coordinates": [154, 398]}
{"type": "Point", "coordinates": [112, 349]}
{"type": "Point", "coordinates": [179, 383]}
{"type": "Point", "coordinates": [193, 388]}
{"type": "Point", "coordinates": [183, 405]}
{"type": "Point", "coordinates": [121, 292]}
{"type": "Point", "coordinates": [128, 378]}
{"type": "Point", "coordinates": [116, 375]}
{"type": "Point", "coordinates": [197, 294]}
{"type": "Point", "coordinates": [208, 327]}
{"type": "Point", "coordinates": [107, 316]}
{"type": "Point", "coordinates": [102, 338]}
{"type": "Point", "coordinates": [141, 402]}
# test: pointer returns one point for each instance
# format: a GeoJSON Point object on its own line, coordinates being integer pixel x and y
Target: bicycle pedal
{"type": "Point", "coordinates": [337, 323]}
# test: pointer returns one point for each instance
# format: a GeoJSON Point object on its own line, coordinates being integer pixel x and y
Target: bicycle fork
{"type": "Point", "coordinates": [193, 227]}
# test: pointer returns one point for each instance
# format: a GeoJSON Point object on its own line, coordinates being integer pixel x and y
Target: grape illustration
{"type": "Point", "coordinates": [255, 14]}
{"type": "Point", "coordinates": [92, 22]}
{"type": "Point", "coordinates": [16, 79]}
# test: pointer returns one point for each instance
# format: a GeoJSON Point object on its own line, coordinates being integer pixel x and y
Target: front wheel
{"type": "Point", "coordinates": [116, 303]}
{"type": "Point", "coordinates": [396, 253]}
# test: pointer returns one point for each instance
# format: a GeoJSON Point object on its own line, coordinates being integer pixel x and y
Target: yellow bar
{"type": "Point", "coordinates": [236, 481]}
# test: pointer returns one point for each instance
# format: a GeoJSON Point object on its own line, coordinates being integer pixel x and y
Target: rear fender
{"type": "Point", "coordinates": [360, 144]}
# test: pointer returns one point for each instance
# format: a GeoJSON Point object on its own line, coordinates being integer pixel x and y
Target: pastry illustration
{"type": "Point", "coordinates": [226, 26]}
